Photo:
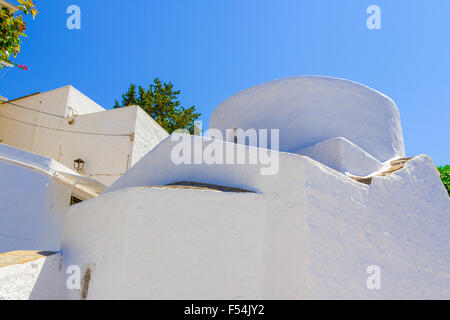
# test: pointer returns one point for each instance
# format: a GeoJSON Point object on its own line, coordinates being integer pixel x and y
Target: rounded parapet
{"type": "Point", "coordinates": [311, 109]}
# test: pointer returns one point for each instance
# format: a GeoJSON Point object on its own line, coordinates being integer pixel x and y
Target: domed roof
{"type": "Point", "coordinates": [311, 109]}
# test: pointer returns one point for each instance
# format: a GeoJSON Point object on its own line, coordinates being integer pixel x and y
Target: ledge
{"type": "Point", "coordinates": [21, 257]}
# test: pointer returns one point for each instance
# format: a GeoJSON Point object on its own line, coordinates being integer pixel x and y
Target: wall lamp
{"type": "Point", "coordinates": [78, 164]}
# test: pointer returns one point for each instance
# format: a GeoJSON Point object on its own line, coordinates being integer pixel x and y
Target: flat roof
{"type": "Point", "coordinates": [87, 186]}
{"type": "Point", "coordinates": [27, 96]}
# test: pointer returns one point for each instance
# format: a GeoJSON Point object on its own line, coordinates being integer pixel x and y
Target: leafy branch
{"type": "Point", "coordinates": [12, 29]}
{"type": "Point", "coordinates": [161, 102]}
{"type": "Point", "coordinates": [445, 177]}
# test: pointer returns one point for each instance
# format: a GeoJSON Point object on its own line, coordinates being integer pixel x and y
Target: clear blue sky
{"type": "Point", "coordinates": [211, 49]}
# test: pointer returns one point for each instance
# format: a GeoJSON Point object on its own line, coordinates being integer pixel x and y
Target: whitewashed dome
{"type": "Point", "coordinates": [312, 109]}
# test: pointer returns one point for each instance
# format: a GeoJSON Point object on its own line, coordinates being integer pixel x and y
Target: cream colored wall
{"type": "Point", "coordinates": [107, 153]}
{"type": "Point", "coordinates": [109, 141]}
{"type": "Point", "coordinates": [15, 133]}
{"type": "Point", "coordinates": [45, 109]}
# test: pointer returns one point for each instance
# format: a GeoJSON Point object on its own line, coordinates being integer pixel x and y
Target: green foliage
{"type": "Point", "coordinates": [445, 176]}
{"type": "Point", "coordinates": [12, 28]}
{"type": "Point", "coordinates": [160, 101]}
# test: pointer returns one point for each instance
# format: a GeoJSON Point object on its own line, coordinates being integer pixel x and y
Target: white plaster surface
{"type": "Point", "coordinates": [215, 242]}
{"type": "Point", "coordinates": [81, 103]}
{"type": "Point", "coordinates": [343, 156]}
{"type": "Point", "coordinates": [400, 223]}
{"type": "Point", "coordinates": [310, 231]}
{"type": "Point", "coordinates": [33, 201]}
{"type": "Point", "coordinates": [35, 280]}
{"type": "Point", "coordinates": [157, 168]}
{"type": "Point", "coordinates": [32, 207]}
{"type": "Point", "coordinates": [311, 109]}
{"type": "Point", "coordinates": [148, 134]}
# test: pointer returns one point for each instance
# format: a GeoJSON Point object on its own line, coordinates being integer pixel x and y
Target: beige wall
{"type": "Point", "coordinates": [108, 141]}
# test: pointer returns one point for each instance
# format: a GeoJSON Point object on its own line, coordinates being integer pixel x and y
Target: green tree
{"type": "Point", "coordinates": [161, 102]}
{"type": "Point", "coordinates": [12, 28]}
{"type": "Point", "coordinates": [445, 177]}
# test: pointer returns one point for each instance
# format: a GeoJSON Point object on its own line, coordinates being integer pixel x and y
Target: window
{"type": "Point", "coordinates": [74, 200]}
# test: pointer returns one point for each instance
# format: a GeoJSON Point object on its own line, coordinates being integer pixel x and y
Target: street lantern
{"type": "Point", "coordinates": [78, 164]}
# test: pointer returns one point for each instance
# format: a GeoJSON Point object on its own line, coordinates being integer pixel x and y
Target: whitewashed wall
{"type": "Point", "coordinates": [343, 156]}
{"type": "Point", "coordinates": [400, 224]}
{"type": "Point", "coordinates": [32, 207]}
{"type": "Point", "coordinates": [81, 103]}
{"type": "Point", "coordinates": [33, 200]}
{"type": "Point", "coordinates": [34, 280]}
{"type": "Point", "coordinates": [157, 168]}
{"type": "Point", "coordinates": [316, 229]}
{"type": "Point", "coordinates": [311, 109]}
{"type": "Point", "coordinates": [148, 134]}
{"type": "Point", "coordinates": [206, 245]}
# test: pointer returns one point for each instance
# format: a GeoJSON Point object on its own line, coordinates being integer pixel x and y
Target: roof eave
{"type": "Point", "coordinates": [11, 8]}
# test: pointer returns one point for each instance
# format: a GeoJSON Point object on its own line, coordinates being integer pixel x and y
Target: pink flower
{"type": "Point", "coordinates": [23, 67]}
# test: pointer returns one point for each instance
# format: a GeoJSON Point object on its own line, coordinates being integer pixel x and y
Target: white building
{"type": "Point", "coordinates": [36, 193]}
{"type": "Point", "coordinates": [311, 230]}
{"type": "Point", "coordinates": [65, 125]}
{"type": "Point", "coordinates": [59, 148]}
{"type": "Point", "coordinates": [310, 110]}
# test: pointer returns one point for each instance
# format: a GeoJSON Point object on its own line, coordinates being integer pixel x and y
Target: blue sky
{"type": "Point", "coordinates": [211, 49]}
